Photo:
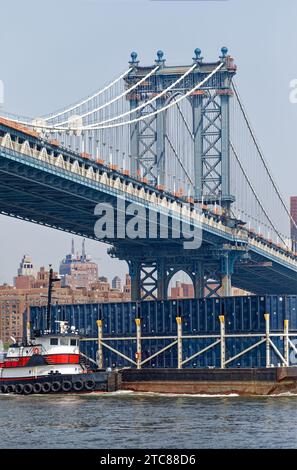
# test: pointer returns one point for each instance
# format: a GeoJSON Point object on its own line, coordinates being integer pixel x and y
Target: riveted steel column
{"type": "Point", "coordinates": [134, 140]}
{"type": "Point", "coordinates": [199, 281]}
{"type": "Point", "coordinates": [160, 142]}
{"type": "Point", "coordinates": [225, 149]}
{"type": "Point", "coordinates": [179, 343]}
{"type": "Point", "coordinates": [267, 329]}
{"type": "Point", "coordinates": [198, 143]}
{"type": "Point", "coordinates": [227, 264]}
{"type": "Point", "coordinates": [223, 346]}
{"type": "Point", "coordinates": [100, 347]}
{"type": "Point", "coordinates": [161, 282]}
{"type": "Point", "coordinates": [135, 273]}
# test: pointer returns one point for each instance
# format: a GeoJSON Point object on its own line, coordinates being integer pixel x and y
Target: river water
{"type": "Point", "coordinates": [129, 420]}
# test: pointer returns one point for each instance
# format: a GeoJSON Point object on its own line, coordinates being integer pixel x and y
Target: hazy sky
{"type": "Point", "coordinates": [55, 52]}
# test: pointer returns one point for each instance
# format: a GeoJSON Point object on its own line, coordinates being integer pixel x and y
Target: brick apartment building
{"type": "Point", "coordinates": [30, 288]}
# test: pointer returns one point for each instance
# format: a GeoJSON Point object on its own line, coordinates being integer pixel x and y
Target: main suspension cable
{"type": "Point", "coordinates": [147, 103]}
{"type": "Point", "coordinates": [262, 156]}
{"type": "Point", "coordinates": [89, 98]}
{"type": "Point", "coordinates": [255, 194]}
{"type": "Point", "coordinates": [104, 105]}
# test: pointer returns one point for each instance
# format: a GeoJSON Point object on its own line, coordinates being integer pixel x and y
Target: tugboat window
{"type": "Point", "coordinates": [54, 341]}
{"type": "Point", "coordinates": [73, 342]}
{"type": "Point", "coordinates": [64, 341]}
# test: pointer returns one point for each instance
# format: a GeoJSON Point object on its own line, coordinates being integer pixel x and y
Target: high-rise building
{"type": "Point", "coordinates": [25, 275]}
{"type": "Point", "coordinates": [79, 284]}
{"type": "Point", "coordinates": [116, 283]}
{"type": "Point", "coordinates": [78, 270]}
{"type": "Point", "coordinates": [294, 224]}
{"type": "Point", "coordinates": [26, 266]}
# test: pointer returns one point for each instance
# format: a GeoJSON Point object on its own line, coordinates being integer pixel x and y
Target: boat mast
{"type": "Point", "coordinates": [51, 282]}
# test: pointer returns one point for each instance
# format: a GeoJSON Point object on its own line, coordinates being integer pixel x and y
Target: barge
{"type": "Point", "coordinates": [239, 345]}
{"type": "Point", "coordinates": [243, 382]}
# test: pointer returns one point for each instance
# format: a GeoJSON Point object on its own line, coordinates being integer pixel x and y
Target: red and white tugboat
{"type": "Point", "coordinates": [49, 363]}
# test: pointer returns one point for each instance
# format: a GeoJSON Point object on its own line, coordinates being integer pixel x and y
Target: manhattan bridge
{"type": "Point", "coordinates": [176, 140]}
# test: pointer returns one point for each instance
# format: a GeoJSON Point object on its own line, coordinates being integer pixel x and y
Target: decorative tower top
{"type": "Point", "coordinates": [224, 52]}
{"type": "Point", "coordinates": [134, 62]}
{"type": "Point", "coordinates": [198, 59]}
{"type": "Point", "coordinates": [160, 60]}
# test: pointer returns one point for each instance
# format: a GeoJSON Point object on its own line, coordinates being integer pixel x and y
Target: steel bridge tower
{"type": "Point", "coordinates": [211, 267]}
{"type": "Point", "coordinates": [210, 105]}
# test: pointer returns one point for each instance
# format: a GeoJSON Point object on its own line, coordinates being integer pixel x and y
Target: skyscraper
{"type": "Point", "coordinates": [78, 270]}
{"type": "Point", "coordinates": [26, 273]}
{"type": "Point", "coordinates": [26, 266]}
{"type": "Point", "coordinates": [116, 283]}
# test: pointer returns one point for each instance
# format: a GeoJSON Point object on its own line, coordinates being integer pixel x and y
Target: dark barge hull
{"type": "Point", "coordinates": [245, 382]}
{"type": "Point", "coordinates": [96, 381]}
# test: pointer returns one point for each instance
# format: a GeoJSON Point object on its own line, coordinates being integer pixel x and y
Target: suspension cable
{"type": "Point", "coordinates": [179, 160]}
{"type": "Point", "coordinates": [132, 121]}
{"type": "Point", "coordinates": [95, 95]}
{"type": "Point", "coordinates": [255, 194]}
{"type": "Point", "coordinates": [147, 103]}
{"type": "Point", "coordinates": [104, 105]}
{"type": "Point", "coordinates": [184, 120]}
{"type": "Point", "coordinates": [262, 155]}
{"type": "Point", "coordinates": [158, 111]}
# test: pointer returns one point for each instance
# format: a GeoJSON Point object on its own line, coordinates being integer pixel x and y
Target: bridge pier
{"type": "Point", "coordinates": [134, 272]}
{"type": "Point", "coordinates": [227, 262]}
{"type": "Point", "coordinates": [151, 270]}
{"type": "Point", "coordinates": [162, 287]}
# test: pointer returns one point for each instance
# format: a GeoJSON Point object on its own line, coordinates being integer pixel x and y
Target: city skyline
{"type": "Point", "coordinates": [83, 256]}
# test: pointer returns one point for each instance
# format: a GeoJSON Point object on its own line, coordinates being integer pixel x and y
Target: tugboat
{"type": "Point", "coordinates": [50, 363]}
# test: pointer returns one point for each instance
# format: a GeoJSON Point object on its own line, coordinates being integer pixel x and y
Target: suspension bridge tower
{"type": "Point", "coordinates": [211, 266]}
{"type": "Point", "coordinates": [210, 106]}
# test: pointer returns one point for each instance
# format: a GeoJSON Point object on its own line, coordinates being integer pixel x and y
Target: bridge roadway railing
{"type": "Point", "coordinates": [118, 184]}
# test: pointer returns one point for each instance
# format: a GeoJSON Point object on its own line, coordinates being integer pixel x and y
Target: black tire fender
{"type": "Point", "coordinates": [46, 387]}
{"type": "Point", "coordinates": [78, 385]}
{"type": "Point", "coordinates": [19, 388]}
{"type": "Point", "coordinates": [28, 388]}
{"type": "Point", "coordinates": [90, 384]}
{"type": "Point", "coordinates": [66, 386]}
{"type": "Point", "coordinates": [56, 386]}
{"type": "Point", "coordinates": [37, 388]}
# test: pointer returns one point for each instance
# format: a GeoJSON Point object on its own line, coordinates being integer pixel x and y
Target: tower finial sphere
{"type": "Point", "coordinates": [133, 56]}
{"type": "Point", "coordinates": [160, 55]}
{"type": "Point", "coordinates": [224, 51]}
{"type": "Point", "coordinates": [197, 52]}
